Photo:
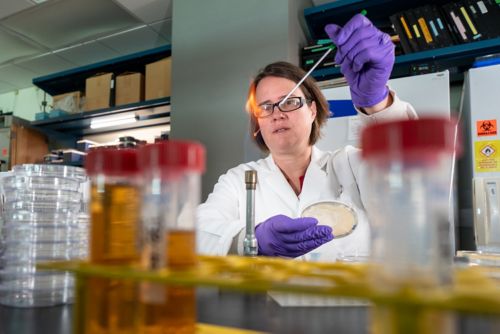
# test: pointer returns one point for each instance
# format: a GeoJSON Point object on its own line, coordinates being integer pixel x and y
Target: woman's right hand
{"type": "Point", "coordinates": [284, 236]}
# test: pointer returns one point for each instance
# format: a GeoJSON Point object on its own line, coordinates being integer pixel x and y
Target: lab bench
{"type": "Point", "coordinates": [256, 312]}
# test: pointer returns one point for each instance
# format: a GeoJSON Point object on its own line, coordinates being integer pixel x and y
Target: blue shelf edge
{"type": "Point", "coordinates": [442, 53]}
{"type": "Point", "coordinates": [330, 5]}
{"type": "Point", "coordinates": [90, 67]}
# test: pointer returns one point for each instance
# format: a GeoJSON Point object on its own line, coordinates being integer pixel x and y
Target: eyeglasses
{"type": "Point", "coordinates": [290, 104]}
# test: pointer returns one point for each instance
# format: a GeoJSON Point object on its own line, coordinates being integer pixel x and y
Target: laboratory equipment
{"type": "Point", "coordinates": [408, 173]}
{"type": "Point", "coordinates": [330, 49]}
{"type": "Point", "coordinates": [345, 125]}
{"type": "Point", "coordinates": [339, 216]}
{"type": "Point", "coordinates": [481, 110]}
{"type": "Point", "coordinates": [170, 194]}
{"type": "Point", "coordinates": [42, 209]}
{"type": "Point", "coordinates": [114, 218]}
{"type": "Point", "coordinates": [250, 246]}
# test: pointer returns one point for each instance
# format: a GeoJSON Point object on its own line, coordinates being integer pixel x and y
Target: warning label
{"type": "Point", "coordinates": [486, 127]}
{"type": "Point", "coordinates": [486, 156]}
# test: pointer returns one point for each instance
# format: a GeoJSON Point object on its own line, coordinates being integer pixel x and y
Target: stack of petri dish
{"type": "Point", "coordinates": [44, 219]}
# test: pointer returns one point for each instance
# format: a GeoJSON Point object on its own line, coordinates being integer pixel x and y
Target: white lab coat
{"type": "Point", "coordinates": [329, 176]}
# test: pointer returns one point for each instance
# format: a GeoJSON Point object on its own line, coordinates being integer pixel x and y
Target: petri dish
{"type": "Point", "coordinates": [51, 170]}
{"type": "Point", "coordinates": [41, 195]}
{"type": "Point", "coordinates": [45, 233]}
{"type": "Point", "coordinates": [38, 251]}
{"type": "Point", "coordinates": [40, 207]}
{"type": "Point", "coordinates": [42, 218]}
{"type": "Point", "coordinates": [339, 216]}
{"type": "Point", "coordinates": [36, 297]}
{"type": "Point", "coordinates": [40, 182]}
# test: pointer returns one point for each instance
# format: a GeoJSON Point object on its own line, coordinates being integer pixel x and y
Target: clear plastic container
{"type": "Point", "coordinates": [114, 227]}
{"type": "Point", "coordinates": [408, 175]}
{"type": "Point", "coordinates": [36, 298]}
{"type": "Point", "coordinates": [35, 251]}
{"type": "Point", "coordinates": [42, 195]}
{"type": "Point", "coordinates": [40, 207]}
{"type": "Point", "coordinates": [40, 182]}
{"type": "Point", "coordinates": [35, 281]}
{"type": "Point", "coordinates": [171, 193]}
{"type": "Point", "coordinates": [42, 218]}
{"type": "Point", "coordinates": [58, 171]}
{"type": "Point", "coordinates": [46, 232]}
{"type": "Point", "coordinates": [408, 171]}
{"type": "Point", "coordinates": [43, 221]}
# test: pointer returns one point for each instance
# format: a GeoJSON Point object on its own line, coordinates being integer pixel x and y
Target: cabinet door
{"type": "Point", "coordinates": [4, 149]}
{"type": "Point", "coordinates": [27, 146]}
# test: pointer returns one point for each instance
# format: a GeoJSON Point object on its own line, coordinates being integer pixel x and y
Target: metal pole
{"type": "Point", "coordinates": [250, 247]}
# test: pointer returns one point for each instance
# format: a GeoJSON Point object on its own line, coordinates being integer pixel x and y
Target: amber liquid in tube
{"type": "Point", "coordinates": [110, 305]}
{"type": "Point", "coordinates": [176, 311]}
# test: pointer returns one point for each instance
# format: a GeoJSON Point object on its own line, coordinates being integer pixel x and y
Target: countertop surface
{"type": "Point", "coordinates": [250, 311]}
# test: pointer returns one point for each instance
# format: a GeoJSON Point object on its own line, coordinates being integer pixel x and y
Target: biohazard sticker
{"type": "Point", "coordinates": [486, 127]}
{"type": "Point", "coordinates": [487, 156]}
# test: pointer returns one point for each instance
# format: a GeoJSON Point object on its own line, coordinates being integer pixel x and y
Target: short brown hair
{"type": "Point", "coordinates": [311, 91]}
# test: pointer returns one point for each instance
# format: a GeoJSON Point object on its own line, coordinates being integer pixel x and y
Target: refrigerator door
{"type": "Point", "coordinates": [482, 113]}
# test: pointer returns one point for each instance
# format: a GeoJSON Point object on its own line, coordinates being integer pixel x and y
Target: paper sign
{"type": "Point", "coordinates": [486, 127]}
{"type": "Point", "coordinates": [487, 156]}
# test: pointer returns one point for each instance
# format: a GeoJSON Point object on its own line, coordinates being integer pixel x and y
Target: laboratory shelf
{"type": "Point", "coordinates": [436, 59]}
{"type": "Point", "coordinates": [456, 58]}
{"type": "Point", "coordinates": [74, 79]}
{"type": "Point", "coordinates": [146, 113]}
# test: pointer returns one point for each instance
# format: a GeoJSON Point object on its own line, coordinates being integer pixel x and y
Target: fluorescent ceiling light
{"type": "Point", "coordinates": [105, 122]}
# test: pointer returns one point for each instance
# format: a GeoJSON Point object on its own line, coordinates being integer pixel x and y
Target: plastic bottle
{"type": "Point", "coordinates": [408, 167]}
{"type": "Point", "coordinates": [171, 193]}
{"type": "Point", "coordinates": [109, 304]}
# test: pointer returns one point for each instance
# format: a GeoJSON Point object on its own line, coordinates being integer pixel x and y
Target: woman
{"type": "Point", "coordinates": [296, 173]}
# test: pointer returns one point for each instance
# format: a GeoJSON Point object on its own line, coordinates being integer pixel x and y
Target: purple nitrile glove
{"type": "Point", "coordinates": [366, 56]}
{"type": "Point", "coordinates": [284, 236]}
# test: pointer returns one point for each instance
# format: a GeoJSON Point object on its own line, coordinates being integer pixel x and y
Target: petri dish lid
{"type": "Point", "coordinates": [40, 207]}
{"type": "Point", "coordinates": [42, 218]}
{"type": "Point", "coordinates": [42, 195]}
{"type": "Point", "coordinates": [339, 216]}
{"type": "Point", "coordinates": [40, 182]}
{"type": "Point", "coordinates": [51, 170]}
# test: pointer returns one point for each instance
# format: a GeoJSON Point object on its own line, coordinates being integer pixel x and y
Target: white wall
{"type": "Point", "coordinates": [25, 103]}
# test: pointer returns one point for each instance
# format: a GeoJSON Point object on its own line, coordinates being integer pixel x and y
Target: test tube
{"type": "Point", "coordinates": [109, 304]}
{"type": "Point", "coordinates": [171, 193]}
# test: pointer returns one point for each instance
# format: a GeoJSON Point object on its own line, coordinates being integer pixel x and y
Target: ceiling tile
{"type": "Point", "coordinates": [6, 88]}
{"type": "Point", "coordinates": [148, 10]}
{"type": "Point", "coordinates": [14, 47]}
{"type": "Point", "coordinates": [164, 28]}
{"type": "Point", "coordinates": [17, 76]}
{"type": "Point", "coordinates": [46, 64]}
{"type": "Point", "coordinates": [88, 53]}
{"type": "Point", "coordinates": [144, 38]}
{"type": "Point", "coordinates": [13, 6]}
{"type": "Point", "coordinates": [59, 23]}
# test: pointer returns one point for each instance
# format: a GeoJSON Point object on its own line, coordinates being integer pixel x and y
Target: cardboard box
{"type": "Point", "coordinates": [129, 88]}
{"type": "Point", "coordinates": [99, 91]}
{"type": "Point", "coordinates": [158, 78]}
{"type": "Point", "coordinates": [69, 102]}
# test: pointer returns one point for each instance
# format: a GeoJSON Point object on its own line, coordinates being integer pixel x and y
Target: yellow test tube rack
{"type": "Point", "coordinates": [474, 288]}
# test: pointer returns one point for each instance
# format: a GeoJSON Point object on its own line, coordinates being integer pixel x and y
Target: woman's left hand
{"type": "Point", "coordinates": [366, 57]}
